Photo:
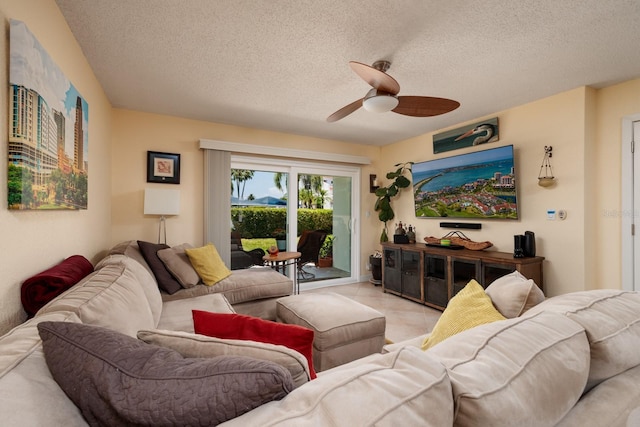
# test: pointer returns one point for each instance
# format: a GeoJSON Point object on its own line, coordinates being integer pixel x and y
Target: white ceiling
{"type": "Point", "coordinates": [283, 64]}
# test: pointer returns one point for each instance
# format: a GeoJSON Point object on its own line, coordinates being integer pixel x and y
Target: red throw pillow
{"type": "Point", "coordinates": [242, 327]}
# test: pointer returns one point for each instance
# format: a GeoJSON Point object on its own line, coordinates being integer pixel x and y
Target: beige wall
{"type": "Point", "coordinates": [31, 240]}
{"type": "Point", "coordinates": [581, 125]}
{"type": "Point", "coordinates": [613, 104]}
{"type": "Point", "coordinates": [584, 127]}
{"type": "Point", "coordinates": [135, 133]}
{"type": "Point", "coordinates": [558, 121]}
{"type": "Point", "coordinates": [570, 122]}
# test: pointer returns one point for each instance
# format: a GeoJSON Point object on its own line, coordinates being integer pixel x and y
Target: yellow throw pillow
{"type": "Point", "coordinates": [469, 308]}
{"type": "Point", "coordinates": [208, 264]}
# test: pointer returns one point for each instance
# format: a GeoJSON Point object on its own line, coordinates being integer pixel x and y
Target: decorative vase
{"type": "Point", "coordinates": [411, 235]}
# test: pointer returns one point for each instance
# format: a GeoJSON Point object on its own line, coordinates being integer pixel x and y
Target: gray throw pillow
{"type": "Point", "coordinates": [165, 280]}
{"type": "Point", "coordinates": [514, 294]}
{"type": "Point", "coordinates": [175, 259]}
{"type": "Point", "coordinates": [118, 380]}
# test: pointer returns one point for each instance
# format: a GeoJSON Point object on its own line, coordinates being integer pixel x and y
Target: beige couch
{"type": "Point", "coordinates": [572, 360]}
{"type": "Point", "coordinates": [250, 291]}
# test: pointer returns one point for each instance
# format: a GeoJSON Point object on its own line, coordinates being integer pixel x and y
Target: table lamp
{"type": "Point", "coordinates": [163, 203]}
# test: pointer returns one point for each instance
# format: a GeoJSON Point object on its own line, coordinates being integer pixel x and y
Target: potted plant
{"type": "Point", "coordinates": [384, 195]}
{"type": "Point", "coordinates": [325, 257]}
{"type": "Point", "coordinates": [375, 261]}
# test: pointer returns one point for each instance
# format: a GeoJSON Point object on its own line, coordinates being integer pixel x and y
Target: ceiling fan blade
{"type": "Point", "coordinates": [376, 78]}
{"type": "Point", "coordinates": [345, 111]}
{"type": "Point", "coordinates": [424, 106]}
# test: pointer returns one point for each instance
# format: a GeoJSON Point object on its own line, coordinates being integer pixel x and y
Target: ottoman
{"type": "Point", "coordinates": [344, 330]}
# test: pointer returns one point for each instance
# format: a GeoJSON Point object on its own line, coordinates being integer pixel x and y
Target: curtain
{"type": "Point", "coordinates": [217, 202]}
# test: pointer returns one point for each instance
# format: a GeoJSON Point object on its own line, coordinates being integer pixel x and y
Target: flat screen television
{"type": "Point", "coordinates": [478, 185]}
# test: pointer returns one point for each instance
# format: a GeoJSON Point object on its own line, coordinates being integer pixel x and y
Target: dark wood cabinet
{"type": "Point", "coordinates": [411, 282]}
{"type": "Point", "coordinates": [401, 272]}
{"type": "Point", "coordinates": [435, 280]}
{"type": "Point", "coordinates": [463, 270]}
{"type": "Point", "coordinates": [391, 269]}
{"type": "Point", "coordinates": [433, 275]}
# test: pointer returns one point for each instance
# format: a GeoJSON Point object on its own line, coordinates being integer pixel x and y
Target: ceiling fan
{"type": "Point", "coordinates": [384, 96]}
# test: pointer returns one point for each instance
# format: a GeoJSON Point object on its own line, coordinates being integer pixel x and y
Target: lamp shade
{"type": "Point", "coordinates": [161, 202]}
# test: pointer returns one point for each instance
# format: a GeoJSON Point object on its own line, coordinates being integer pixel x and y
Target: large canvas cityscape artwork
{"type": "Point", "coordinates": [48, 138]}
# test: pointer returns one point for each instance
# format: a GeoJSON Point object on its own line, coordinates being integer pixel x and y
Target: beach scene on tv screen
{"type": "Point", "coordinates": [473, 185]}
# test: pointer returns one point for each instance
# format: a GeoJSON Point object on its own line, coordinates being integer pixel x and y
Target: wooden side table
{"type": "Point", "coordinates": [281, 260]}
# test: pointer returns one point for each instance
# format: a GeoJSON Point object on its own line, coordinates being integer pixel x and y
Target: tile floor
{"type": "Point", "coordinates": [405, 319]}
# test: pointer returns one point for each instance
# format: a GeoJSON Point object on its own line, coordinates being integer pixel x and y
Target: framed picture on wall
{"type": "Point", "coordinates": [48, 162]}
{"type": "Point", "coordinates": [163, 167]}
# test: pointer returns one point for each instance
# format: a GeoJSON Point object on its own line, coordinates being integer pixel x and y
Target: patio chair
{"type": "Point", "coordinates": [243, 259]}
{"type": "Point", "coordinates": [309, 246]}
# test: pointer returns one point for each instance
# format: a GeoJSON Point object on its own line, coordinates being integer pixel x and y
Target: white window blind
{"type": "Point", "coordinates": [217, 200]}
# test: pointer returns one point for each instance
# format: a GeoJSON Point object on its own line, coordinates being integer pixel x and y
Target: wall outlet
{"type": "Point", "coordinates": [551, 214]}
{"type": "Point", "coordinates": [368, 267]}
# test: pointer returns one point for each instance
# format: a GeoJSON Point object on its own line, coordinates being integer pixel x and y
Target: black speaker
{"type": "Point", "coordinates": [400, 238]}
{"type": "Point", "coordinates": [529, 244]}
{"type": "Point", "coordinates": [466, 225]}
{"type": "Point", "coordinates": [518, 250]}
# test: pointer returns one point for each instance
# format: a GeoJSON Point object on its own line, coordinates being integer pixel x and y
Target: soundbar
{"type": "Point", "coordinates": [465, 225]}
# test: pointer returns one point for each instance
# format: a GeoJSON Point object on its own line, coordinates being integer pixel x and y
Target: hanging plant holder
{"type": "Point", "coordinates": [545, 176]}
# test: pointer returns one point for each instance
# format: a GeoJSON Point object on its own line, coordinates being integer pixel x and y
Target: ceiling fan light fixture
{"type": "Point", "coordinates": [380, 102]}
{"type": "Point", "coordinates": [384, 96]}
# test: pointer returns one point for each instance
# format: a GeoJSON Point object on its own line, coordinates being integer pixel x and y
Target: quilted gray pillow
{"type": "Point", "coordinates": [118, 380]}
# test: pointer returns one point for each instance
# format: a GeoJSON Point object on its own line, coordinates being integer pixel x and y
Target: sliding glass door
{"type": "Point", "coordinates": [330, 211]}
{"type": "Point", "coordinates": [258, 214]}
{"type": "Point", "coordinates": [279, 202]}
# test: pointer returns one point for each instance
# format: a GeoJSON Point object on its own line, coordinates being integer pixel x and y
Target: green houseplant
{"type": "Point", "coordinates": [325, 257]}
{"type": "Point", "coordinates": [385, 194]}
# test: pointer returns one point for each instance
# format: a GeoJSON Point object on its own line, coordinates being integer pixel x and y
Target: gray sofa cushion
{"type": "Point", "coordinates": [177, 315]}
{"type": "Point", "coordinates": [516, 372]}
{"type": "Point", "coordinates": [142, 276]}
{"type": "Point", "coordinates": [242, 285]}
{"type": "Point", "coordinates": [404, 388]}
{"type": "Point", "coordinates": [29, 396]}
{"type": "Point", "coordinates": [195, 345]}
{"type": "Point", "coordinates": [612, 403]}
{"type": "Point", "coordinates": [612, 321]}
{"type": "Point", "coordinates": [130, 249]}
{"type": "Point", "coordinates": [111, 297]}
{"type": "Point", "coordinates": [118, 380]}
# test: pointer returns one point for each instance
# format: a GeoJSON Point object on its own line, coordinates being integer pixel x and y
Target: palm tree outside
{"type": "Point", "coordinates": [239, 177]}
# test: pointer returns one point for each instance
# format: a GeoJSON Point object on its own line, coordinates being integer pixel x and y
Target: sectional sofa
{"type": "Point", "coordinates": [572, 360]}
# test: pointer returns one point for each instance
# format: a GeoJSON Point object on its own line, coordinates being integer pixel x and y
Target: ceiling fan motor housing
{"type": "Point", "coordinates": [382, 65]}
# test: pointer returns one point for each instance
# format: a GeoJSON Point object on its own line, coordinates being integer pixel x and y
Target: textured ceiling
{"type": "Point", "coordinates": [283, 64]}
